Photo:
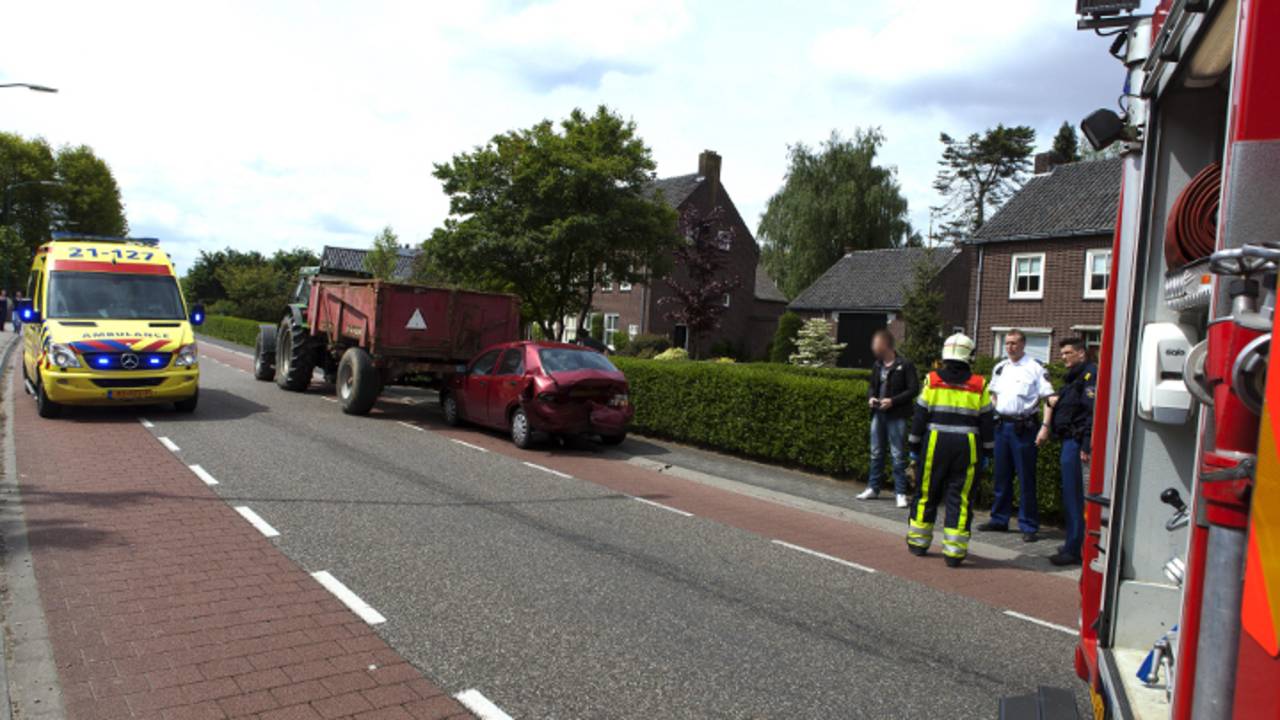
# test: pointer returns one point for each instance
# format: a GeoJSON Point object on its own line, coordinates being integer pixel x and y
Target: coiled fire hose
{"type": "Point", "coordinates": [1192, 229]}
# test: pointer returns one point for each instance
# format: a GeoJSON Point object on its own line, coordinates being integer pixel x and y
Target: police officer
{"type": "Point", "coordinates": [1018, 384]}
{"type": "Point", "coordinates": [952, 430]}
{"type": "Point", "coordinates": [1070, 416]}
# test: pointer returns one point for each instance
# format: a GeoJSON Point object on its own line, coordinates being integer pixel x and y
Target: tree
{"type": "Point", "coordinates": [922, 314]}
{"type": "Point", "coordinates": [89, 195]}
{"type": "Point", "coordinates": [979, 173]}
{"type": "Point", "coordinates": [1066, 145]}
{"type": "Point", "coordinates": [253, 291]}
{"type": "Point", "coordinates": [549, 212]}
{"type": "Point", "coordinates": [784, 339]}
{"type": "Point", "coordinates": [833, 199]}
{"type": "Point", "coordinates": [596, 331]}
{"type": "Point", "coordinates": [815, 346]}
{"type": "Point", "coordinates": [699, 287]}
{"type": "Point", "coordinates": [232, 282]}
{"type": "Point", "coordinates": [381, 260]}
{"type": "Point", "coordinates": [15, 259]}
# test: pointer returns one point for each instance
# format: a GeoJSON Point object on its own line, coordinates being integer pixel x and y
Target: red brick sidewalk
{"type": "Point", "coordinates": [162, 602]}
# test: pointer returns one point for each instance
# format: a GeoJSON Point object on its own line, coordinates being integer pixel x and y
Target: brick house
{"type": "Point", "coordinates": [753, 308]}
{"type": "Point", "coordinates": [1042, 263]}
{"type": "Point", "coordinates": [865, 290]}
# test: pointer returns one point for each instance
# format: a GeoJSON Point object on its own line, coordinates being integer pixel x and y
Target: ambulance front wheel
{"type": "Point", "coordinates": [45, 407]}
{"type": "Point", "coordinates": [188, 405]}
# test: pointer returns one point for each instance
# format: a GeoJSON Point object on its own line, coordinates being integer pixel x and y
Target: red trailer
{"type": "Point", "coordinates": [365, 334]}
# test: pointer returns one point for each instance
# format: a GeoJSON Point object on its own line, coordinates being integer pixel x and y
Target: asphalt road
{"type": "Point", "coordinates": [557, 597]}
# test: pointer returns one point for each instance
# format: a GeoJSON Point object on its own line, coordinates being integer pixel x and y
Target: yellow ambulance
{"type": "Point", "coordinates": [104, 323]}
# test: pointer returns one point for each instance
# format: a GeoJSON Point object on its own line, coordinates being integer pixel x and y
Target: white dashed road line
{"type": "Point", "coordinates": [1042, 623]}
{"type": "Point", "coordinates": [411, 426]}
{"type": "Point", "coordinates": [464, 443]}
{"type": "Point", "coordinates": [482, 706]}
{"type": "Point", "coordinates": [348, 598]}
{"type": "Point", "coordinates": [544, 469]}
{"type": "Point", "coordinates": [825, 556]}
{"type": "Point", "coordinates": [146, 423]}
{"type": "Point", "coordinates": [169, 445]}
{"type": "Point", "coordinates": [256, 520]}
{"type": "Point", "coordinates": [668, 508]}
{"type": "Point", "coordinates": [203, 475]}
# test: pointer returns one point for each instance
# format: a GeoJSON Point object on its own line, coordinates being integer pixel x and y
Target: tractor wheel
{"type": "Point", "coordinates": [264, 353]}
{"type": "Point", "coordinates": [294, 359]}
{"type": "Point", "coordinates": [358, 382]}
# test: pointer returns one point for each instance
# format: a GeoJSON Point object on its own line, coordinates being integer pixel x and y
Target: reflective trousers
{"type": "Point", "coordinates": [948, 471]}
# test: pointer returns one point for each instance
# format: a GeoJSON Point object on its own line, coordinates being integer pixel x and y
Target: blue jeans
{"type": "Point", "coordinates": [1015, 453]}
{"type": "Point", "coordinates": [892, 432]}
{"type": "Point", "coordinates": [1072, 497]}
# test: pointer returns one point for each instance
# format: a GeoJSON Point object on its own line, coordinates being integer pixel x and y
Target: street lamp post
{"type": "Point", "coordinates": [30, 86]}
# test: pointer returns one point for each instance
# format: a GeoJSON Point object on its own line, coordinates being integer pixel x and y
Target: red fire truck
{"type": "Point", "coordinates": [1180, 588]}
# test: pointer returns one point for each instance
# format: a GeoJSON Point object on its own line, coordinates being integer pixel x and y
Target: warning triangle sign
{"type": "Point", "coordinates": [416, 322]}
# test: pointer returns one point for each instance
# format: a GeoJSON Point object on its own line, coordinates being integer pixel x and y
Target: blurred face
{"type": "Point", "coordinates": [1014, 346]}
{"type": "Point", "coordinates": [1071, 355]}
{"type": "Point", "coordinates": [879, 347]}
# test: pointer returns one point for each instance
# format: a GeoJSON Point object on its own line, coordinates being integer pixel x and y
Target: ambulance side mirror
{"type": "Point", "coordinates": [27, 312]}
{"type": "Point", "coordinates": [197, 314]}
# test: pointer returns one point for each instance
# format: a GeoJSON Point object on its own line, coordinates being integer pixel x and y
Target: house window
{"type": "Point", "coordinates": [1092, 336]}
{"type": "Point", "coordinates": [624, 287]}
{"type": "Point", "coordinates": [724, 240]}
{"type": "Point", "coordinates": [606, 286]}
{"type": "Point", "coordinates": [1039, 343]}
{"type": "Point", "coordinates": [1026, 281]}
{"type": "Point", "coordinates": [1097, 274]}
{"type": "Point", "coordinates": [632, 331]}
{"type": "Point", "coordinates": [570, 328]}
{"type": "Point", "coordinates": [610, 328]}
{"type": "Point", "coordinates": [725, 300]}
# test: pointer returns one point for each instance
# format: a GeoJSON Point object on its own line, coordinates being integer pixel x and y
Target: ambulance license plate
{"type": "Point", "coordinates": [131, 394]}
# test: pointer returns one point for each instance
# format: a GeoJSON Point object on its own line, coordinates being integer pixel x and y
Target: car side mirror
{"type": "Point", "coordinates": [197, 314]}
{"type": "Point", "coordinates": [27, 312]}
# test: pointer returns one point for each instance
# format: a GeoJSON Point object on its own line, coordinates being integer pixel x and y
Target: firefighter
{"type": "Point", "coordinates": [952, 438]}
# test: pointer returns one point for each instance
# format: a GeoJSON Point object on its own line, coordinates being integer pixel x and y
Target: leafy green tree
{"type": "Point", "coordinates": [253, 291]}
{"type": "Point", "coordinates": [547, 212]}
{"type": "Point", "coordinates": [89, 195]}
{"type": "Point", "coordinates": [784, 339]}
{"type": "Point", "coordinates": [381, 260]}
{"type": "Point", "coordinates": [979, 173]}
{"type": "Point", "coordinates": [1066, 145]}
{"type": "Point", "coordinates": [922, 315]}
{"type": "Point", "coordinates": [816, 346]}
{"type": "Point", "coordinates": [834, 198]}
{"type": "Point", "coordinates": [15, 260]}
{"type": "Point", "coordinates": [288, 262]}
{"type": "Point", "coordinates": [597, 327]}
{"type": "Point", "coordinates": [206, 280]}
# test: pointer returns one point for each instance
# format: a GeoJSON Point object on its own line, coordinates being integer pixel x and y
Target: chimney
{"type": "Point", "coordinates": [709, 168]}
{"type": "Point", "coordinates": [1044, 163]}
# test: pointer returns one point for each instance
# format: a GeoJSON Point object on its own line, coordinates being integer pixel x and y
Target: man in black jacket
{"type": "Point", "coordinates": [890, 394]}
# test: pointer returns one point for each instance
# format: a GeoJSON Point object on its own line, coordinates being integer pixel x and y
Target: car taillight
{"type": "Point", "coordinates": [619, 400]}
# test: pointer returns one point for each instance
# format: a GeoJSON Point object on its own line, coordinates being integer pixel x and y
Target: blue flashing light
{"type": "Point", "coordinates": [153, 361]}
{"type": "Point", "coordinates": [26, 314]}
{"type": "Point", "coordinates": [104, 361]}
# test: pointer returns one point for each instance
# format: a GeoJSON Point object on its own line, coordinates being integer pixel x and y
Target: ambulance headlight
{"type": "Point", "coordinates": [63, 356]}
{"type": "Point", "coordinates": [186, 356]}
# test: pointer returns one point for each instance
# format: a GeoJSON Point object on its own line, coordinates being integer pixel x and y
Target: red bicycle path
{"type": "Point", "coordinates": [162, 602]}
{"type": "Point", "coordinates": [1034, 595]}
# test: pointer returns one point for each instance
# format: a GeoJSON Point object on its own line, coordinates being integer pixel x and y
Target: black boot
{"type": "Point", "coordinates": [917, 551]}
{"type": "Point", "coordinates": [953, 562]}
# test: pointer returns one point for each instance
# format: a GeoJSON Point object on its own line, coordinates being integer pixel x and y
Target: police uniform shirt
{"type": "Point", "coordinates": [1018, 387]}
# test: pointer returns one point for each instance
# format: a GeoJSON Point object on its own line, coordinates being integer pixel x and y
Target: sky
{"type": "Point", "coordinates": [269, 125]}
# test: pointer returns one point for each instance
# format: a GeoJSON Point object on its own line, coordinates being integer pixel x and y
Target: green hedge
{"type": "Point", "coordinates": [831, 373]}
{"type": "Point", "coordinates": [233, 329]}
{"type": "Point", "coordinates": [814, 419]}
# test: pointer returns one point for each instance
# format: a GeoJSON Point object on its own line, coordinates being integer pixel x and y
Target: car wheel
{"type": "Point", "coordinates": [452, 416]}
{"type": "Point", "coordinates": [358, 382]}
{"type": "Point", "coordinates": [521, 433]}
{"type": "Point", "coordinates": [264, 353]}
{"type": "Point", "coordinates": [188, 405]}
{"type": "Point", "coordinates": [613, 439]}
{"type": "Point", "coordinates": [45, 407]}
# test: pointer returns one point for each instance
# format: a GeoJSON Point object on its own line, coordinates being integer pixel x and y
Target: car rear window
{"type": "Point", "coordinates": [557, 360]}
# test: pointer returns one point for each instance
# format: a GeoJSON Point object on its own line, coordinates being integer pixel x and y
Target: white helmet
{"type": "Point", "coordinates": [958, 347]}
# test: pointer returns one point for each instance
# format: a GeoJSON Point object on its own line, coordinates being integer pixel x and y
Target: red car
{"type": "Point", "coordinates": [541, 387]}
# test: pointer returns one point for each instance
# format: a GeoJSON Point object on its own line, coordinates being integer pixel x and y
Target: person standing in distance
{"type": "Point", "coordinates": [1069, 415]}
{"type": "Point", "coordinates": [952, 432]}
{"type": "Point", "coordinates": [1018, 385]}
{"type": "Point", "coordinates": [893, 386]}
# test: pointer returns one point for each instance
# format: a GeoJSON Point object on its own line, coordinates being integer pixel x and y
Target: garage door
{"type": "Point", "coordinates": [856, 330]}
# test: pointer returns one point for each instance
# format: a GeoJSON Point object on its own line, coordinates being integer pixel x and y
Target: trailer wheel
{"type": "Point", "coordinates": [294, 359]}
{"type": "Point", "coordinates": [264, 353]}
{"type": "Point", "coordinates": [358, 382]}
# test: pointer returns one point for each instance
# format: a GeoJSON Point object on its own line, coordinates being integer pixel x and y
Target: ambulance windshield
{"type": "Point", "coordinates": [114, 296]}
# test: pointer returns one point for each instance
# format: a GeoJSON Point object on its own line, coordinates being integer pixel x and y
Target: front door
{"type": "Point", "coordinates": [475, 388]}
{"type": "Point", "coordinates": [508, 383]}
{"type": "Point", "coordinates": [680, 337]}
{"type": "Point", "coordinates": [856, 329]}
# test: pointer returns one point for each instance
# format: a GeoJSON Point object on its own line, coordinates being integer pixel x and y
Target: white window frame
{"type": "Point", "coordinates": [1083, 331]}
{"type": "Point", "coordinates": [1089, 256]}
{"type": "Point", "coordinates": [632, 331]}
{"type": "Point", "coordinates": [728, 297]}
{"type": "Point", "coordinates": [999, 332]}
{"type": "Point", "coordinates": [611, 322]}
{"type": "Point", "coordinates": [570, 328]}
{"type": "Point", "coordinates": [606, 286]}
{"type": "Point", "coordinates": [1014, 294]}
{"type": "Point", "coordinates": [624, 286]}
